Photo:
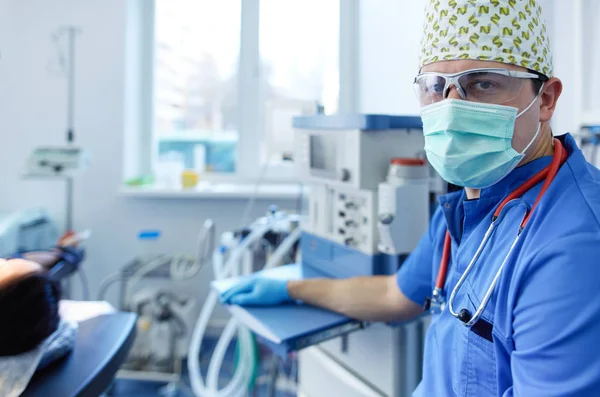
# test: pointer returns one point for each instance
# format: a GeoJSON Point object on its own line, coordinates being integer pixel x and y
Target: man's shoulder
{"type": "Point", "coordinates": [575, 196]}
{"type": "Point", "coordinates": [566, 224]}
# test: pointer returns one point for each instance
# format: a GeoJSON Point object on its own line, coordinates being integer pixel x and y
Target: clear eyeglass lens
{"type": "Point", "coordinates": [430, 89]}
{"type": "Point", "coordinates": [484, 87]}
{"type": "Point", "coordinates": [491, 88]}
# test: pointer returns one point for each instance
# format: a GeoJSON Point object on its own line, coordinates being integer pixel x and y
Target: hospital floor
{"type": "Point", "coordinates": [131, 388]}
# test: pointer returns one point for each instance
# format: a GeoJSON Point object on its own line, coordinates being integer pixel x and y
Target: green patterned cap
{"type": "Point", "coordinates": [507, 31]}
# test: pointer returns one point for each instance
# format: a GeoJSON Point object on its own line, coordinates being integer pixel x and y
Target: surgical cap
{"type": "Point", "coordinates": [507, 31]}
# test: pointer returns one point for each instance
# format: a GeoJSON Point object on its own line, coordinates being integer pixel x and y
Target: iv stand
{"type": "Point", "coordinates": [71, 33]}
{"type": "Point", "coordinates": [71, 36]}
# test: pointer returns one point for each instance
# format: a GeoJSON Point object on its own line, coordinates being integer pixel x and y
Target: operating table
{"type": "Point", "coordinates": [88, 371]}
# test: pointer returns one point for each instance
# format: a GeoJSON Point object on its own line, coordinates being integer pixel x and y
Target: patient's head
{"type": "Point", "coordinates": [28, 306]}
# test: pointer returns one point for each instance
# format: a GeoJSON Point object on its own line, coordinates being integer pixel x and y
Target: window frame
{"type": "Point", "coordinates": [250, 111]}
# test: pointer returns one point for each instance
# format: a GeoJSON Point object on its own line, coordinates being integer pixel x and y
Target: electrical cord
{"type": "Point", "coordinates": [85, 287]}
{"type": "Point", "coordinates": [274, 372]}
{"type": "Point", "coordinates": [252, 200]}
{"type": "Point", "coordinates": [107, 282]}
{"type": "Point", "coordinates": [300, 200]}
{"type": "Point", "coordinates": [145, 269]}
{"type": "Point", "coordinates": [206, 242]}
{"type": "Point", "coordinates": [181, 267]}
{"type": "Point", "coordinates": [184, 268]}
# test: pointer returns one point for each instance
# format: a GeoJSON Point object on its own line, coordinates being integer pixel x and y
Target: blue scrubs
{"type": "Point", "coordinates": [540, 334]}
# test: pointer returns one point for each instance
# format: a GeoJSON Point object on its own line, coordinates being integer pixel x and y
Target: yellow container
{"type": "Point", "coordinates": [189, 179]}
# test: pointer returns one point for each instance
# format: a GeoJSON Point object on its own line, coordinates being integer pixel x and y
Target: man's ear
{"type": "Point", "coordinates": [549, 98]}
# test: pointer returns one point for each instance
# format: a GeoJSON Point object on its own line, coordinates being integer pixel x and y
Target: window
{"type": "Point", "coordinates": [229, 75]}
{"type": "Point", "coordinates": [195, 90]}
{"type": "Point", "coordinates": [299, 55]}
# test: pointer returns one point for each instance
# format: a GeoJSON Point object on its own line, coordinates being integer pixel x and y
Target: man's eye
{"type": "Point", "coordinates": [435, 88]}
{"type": "Point", "coordinates": [483, 85]}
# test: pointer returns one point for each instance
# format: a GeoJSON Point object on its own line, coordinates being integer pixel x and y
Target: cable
{"type": "Point", "coordinates": [206, 241]}
{"type": "Point", "coordinates": [300, 200]}
{"type": "Point", "coordinates": [85, 287]}
{"type": "Point", "coordinates": [252, 200]}
{"type": "Point", "coordinates": [107, 282]}
{"type": "Point", "coordinates": [255, 235]}
{"type": "Point", "coordinates": [181, 267]}
{"type": "Point", "coordinates": [184, 268]}
{"type": "Point", "coordinates": [153, 264]}
{"type": "Point", "coordinates": [273, 376]}
{"type": "Point", "coordinates": [294, 368]}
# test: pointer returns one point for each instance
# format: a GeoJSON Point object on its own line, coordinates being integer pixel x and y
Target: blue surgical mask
{"type": "Point", "coordinates": [470, 144]}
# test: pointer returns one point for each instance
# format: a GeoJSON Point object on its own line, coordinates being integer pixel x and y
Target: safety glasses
{"type": "Point", "coordinates": [487, 85]}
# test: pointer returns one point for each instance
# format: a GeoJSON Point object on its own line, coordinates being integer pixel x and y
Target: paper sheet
{"type": "Point", "coordinates": [78, 311]}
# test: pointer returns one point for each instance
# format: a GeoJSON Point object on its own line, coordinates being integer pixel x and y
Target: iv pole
{"type": "Point", "coordinates": [71, 33]}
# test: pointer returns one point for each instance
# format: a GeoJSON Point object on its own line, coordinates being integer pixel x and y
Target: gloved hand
{"type": "Point", "coordinates": [257, 292]}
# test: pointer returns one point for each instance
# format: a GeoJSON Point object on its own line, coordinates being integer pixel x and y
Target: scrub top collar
{"type": "Point", "coordinates": [490, 197]}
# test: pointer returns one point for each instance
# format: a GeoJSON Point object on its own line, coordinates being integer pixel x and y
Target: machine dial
{"type": "Point", "coordinates": [386, 219]}
{"type": "Point", "coordinates": [345, 174]}
{"type": "Point", "coordinates": [351, 223]}
{"type": "Point", "coordinates": [350, 205]}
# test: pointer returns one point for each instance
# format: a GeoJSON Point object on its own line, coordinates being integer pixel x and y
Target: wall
{"type": "Point", "coordinates": [389, 49]}
{"type": "Point", "coordinates": [566, 62]}
{"type": "Point", "coordinates": [33, 112]}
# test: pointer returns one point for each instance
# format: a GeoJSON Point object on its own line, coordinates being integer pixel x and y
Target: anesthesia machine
{"type": "Point", "coordinates": [159, 288]}
{"type": "Point", "coordinates": [369, 205]}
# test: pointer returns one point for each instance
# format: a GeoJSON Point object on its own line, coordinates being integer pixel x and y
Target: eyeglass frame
{"type": "Point", "coordinates": [452, 78]}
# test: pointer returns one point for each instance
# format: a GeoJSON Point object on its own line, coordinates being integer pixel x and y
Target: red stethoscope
{"type": "Point", "coordinates": [437, 302]}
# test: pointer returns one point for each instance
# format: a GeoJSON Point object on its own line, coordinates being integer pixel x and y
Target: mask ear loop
{"type": "Point", "coordinates": [537, 132]}
{"type": "Point", "coordinates": [532, 102]}
{"type": "Point", "coordinates": [533, 139]}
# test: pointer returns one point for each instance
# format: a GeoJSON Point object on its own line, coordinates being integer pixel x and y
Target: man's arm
{"type": "Point", "coordinates": [375, 298]}
{"type": "Point", "coordinates": [397, 297]}
{"type": "Point", "coordinates": [46, 259]}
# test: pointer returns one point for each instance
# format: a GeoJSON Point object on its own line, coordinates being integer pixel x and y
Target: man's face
{"type": "Point", "coordinates": [15, 269]}
{"type": "Point", "coordinates": [526, 125]}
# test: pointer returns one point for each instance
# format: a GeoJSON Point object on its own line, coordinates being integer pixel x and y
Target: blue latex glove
{"type": "Point", "coordinates": [257, 292]}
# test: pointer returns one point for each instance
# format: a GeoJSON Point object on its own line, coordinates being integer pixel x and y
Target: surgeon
{"type": "Point", "coordinates": [510, 266]}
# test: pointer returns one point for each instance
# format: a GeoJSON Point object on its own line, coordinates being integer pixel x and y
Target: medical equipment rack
{"type": "Point", "coordinates": [173, 379]}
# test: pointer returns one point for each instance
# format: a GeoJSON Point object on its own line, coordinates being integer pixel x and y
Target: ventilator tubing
{"type": "Point", "coordinates": [238, 386]}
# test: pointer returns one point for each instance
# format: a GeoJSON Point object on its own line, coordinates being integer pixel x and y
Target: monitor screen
{"type": "Point", "coordinates": [323, 152]}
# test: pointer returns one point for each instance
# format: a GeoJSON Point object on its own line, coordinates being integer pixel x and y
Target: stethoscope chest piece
{"type": "Point", "coordinates": [465, 316]}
